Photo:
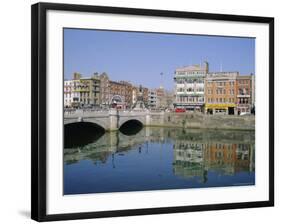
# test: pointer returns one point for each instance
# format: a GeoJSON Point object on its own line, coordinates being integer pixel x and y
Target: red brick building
{"type": "Point", "coordinates": [244, 93]}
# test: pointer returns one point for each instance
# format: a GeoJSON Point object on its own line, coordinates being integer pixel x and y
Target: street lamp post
{"type": "Point", "coordinates": [161, 75]}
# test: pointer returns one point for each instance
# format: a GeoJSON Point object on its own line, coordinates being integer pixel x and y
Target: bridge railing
{"type": "Point", "coordinates": [69, 112]}
{"type": "Point", "coordinates": [73, 112]}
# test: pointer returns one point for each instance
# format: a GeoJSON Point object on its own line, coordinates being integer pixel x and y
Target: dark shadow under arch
{"type": "Point", "coordinates": [131, 127]}
{"type": "Point", "coordinates": [81, 133]}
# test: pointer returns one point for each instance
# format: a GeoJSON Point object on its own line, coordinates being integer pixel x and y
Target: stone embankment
{"type": "Point", "coordinates": [198, 120]}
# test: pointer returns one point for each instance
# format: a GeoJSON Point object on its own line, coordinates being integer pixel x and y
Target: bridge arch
{"type": "Point", "coordinates": [131, 127]}
{"type": "Point", "coordinates": [81, 133]}
{"type": "Point", "coordinates": [83, 124]}
{"type": "Point", "coordinates": [99, 122]}
{"type": "Point", "coordinates": [129, 120]}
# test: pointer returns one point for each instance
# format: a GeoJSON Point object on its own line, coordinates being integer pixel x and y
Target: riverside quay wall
{"type": "Point", "coordinates": [198, 120]}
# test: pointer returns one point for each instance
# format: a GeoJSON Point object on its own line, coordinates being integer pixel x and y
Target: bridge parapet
{"type": "Point", "coordinates": [113, 119]}
{"type": "Point", "coordinates": [83, 113]}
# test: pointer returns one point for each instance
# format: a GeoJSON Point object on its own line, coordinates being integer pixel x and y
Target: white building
{"type": "Point", "coordinates": [253, 90]}
{"type": "Point", "coordinates": [152, 98]}
{"type": "Point", "coordinates": [189, 87]}
{"type": "Point", "coordinates": [71, 97]}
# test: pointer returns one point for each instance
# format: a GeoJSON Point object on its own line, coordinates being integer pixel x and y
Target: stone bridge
{"type": "Point", "coordinates": [112, 119]}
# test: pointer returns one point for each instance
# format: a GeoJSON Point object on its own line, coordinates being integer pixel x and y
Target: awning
{"type": "Point", "coordinates": [219, 106]}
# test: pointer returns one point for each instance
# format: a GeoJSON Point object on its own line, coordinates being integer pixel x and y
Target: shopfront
{"type": "Point", "coordinates": [229, 109]}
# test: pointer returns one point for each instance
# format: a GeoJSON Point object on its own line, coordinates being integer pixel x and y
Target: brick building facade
{"type": "Point", "coordinates": [221, 92]}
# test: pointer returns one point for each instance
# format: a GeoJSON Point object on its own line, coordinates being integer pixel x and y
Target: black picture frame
{"type": "Point", "coordinates": [39, 107]}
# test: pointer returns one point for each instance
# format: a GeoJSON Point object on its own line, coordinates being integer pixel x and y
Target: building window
{"type": "Point", "coordinates": [200, 89]}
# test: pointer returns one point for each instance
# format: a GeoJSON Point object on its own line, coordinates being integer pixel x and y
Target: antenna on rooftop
{"type": "Point", "coordinates": [221, 67]}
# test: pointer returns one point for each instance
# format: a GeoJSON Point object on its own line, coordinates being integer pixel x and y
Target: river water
{"type": "Point", "coordinates": [157, 159]}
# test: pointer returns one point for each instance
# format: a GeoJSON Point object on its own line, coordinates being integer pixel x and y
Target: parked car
{"type": "Point", "coordinates": [245, 113]}
{"type": "Point", "coordinates": [180, 110]}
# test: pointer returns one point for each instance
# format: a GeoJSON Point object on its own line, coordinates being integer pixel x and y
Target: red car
{"type": "Point", "coordinates": [179, 110]}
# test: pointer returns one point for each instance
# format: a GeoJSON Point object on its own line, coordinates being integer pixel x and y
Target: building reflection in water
{"type": "Point", "coordinates": [195, 152]}
{"type": "Point", "coordinates": [194, 159]}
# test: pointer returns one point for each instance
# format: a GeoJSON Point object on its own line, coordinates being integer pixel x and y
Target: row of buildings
{"type": "Point", "coordinates": [196, 89]}
{"type": "Point", "coordinates": [213, 92]}
{"type": "Point", "coordinates": [98, 90]}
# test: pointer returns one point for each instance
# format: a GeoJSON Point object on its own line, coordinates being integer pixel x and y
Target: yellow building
{"type": "Point", "coordinates": [88, 90]}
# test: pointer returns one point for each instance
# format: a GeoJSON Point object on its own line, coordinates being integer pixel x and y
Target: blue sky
{"type": "Point", "coordinates": [141, 57]}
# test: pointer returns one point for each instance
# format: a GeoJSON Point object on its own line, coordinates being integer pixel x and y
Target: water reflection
{"type": "Point", "coordinates": [160, 158]}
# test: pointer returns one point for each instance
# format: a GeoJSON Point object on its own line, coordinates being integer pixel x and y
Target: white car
{"type": "Point", "coordinates": [244, 113]}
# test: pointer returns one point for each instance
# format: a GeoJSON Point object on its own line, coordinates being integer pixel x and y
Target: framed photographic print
{"type": "Point", "coordinates": [139, 111]}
